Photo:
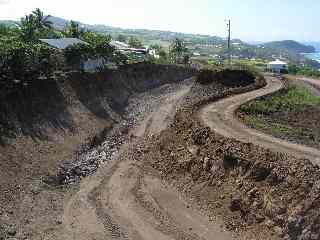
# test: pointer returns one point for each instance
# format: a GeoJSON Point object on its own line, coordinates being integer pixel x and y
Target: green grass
{"type": "Point", "coordinates": [275, 128]}
{"type": "Point", "coordinates": [260, 114]}
{"type": "Point", "coordinates": [290, 99]}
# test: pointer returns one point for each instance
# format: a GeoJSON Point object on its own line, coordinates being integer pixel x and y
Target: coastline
{"type": "Point", "coordinates": [313, 56]}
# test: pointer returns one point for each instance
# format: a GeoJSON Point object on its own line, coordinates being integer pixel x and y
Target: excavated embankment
{"type": "Point", "coordinates": [250, 187]}
{"type": "Point", "coordinates": [49, 122]}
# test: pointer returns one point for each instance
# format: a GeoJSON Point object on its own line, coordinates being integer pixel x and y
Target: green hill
{"type": "Point", "coordinates": [290, 46]}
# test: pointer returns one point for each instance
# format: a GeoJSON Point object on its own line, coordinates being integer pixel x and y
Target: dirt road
{"type": "Point", "coordinates": [123, 200]}
{"type": "Point", "coordinates": [220, 117]}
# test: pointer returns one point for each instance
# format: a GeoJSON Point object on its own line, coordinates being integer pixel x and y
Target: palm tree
{"type": "Point", "coordinates": [42, 21]}
{"type": "Point", "coordinates": [28, 28]}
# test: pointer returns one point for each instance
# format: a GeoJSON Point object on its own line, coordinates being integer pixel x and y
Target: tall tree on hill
{"type": "Point", "coordinates": [177, 50]}
{"type": "Point", "coordinates": [42, 21]}
{"type": "Point", "coordinates": [28, 28]}
{"type": "Point", "coordinates": [135, 42]}
{"type": "Point", "coordinates": [122, 38]}
{"type": "Point", "coordinates": [34, 26]}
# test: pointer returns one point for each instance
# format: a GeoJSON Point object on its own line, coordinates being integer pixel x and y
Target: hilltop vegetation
{"type": "Point", "coordinates": [283, 115]}
{"type": "Point", "coordinates": [290, 46]}
{"type": "Point", "coordinates": [210, 47]}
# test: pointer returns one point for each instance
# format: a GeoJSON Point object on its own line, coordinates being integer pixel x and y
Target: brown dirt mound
{"type": "Point", "coordinates": [248, 185]}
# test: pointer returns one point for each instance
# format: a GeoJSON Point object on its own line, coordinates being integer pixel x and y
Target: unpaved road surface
{"type": "Point", "coordinates": [220, 117]}
{"type": "Point", "coordinates": [123, 200]}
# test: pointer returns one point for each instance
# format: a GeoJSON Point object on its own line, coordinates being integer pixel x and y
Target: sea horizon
{"type": "Point", "coordinates": [313, 56]}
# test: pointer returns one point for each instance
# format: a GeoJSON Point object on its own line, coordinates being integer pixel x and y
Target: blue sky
{"type": "Point", "coordinates": [252, 20]}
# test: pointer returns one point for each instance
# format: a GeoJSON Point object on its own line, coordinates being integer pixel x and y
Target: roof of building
{"type": "Point", "coordinates": [126, 48]}
{"type": "Point", "coordinates": [119, 44]}
{"type": "Point", "coordinates": [62, 43]}
{"type": "Point", "coordinates": [277, 62]}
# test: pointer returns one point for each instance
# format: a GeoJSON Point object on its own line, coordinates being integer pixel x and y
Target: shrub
{"type": "Point", "coordinates": [227, 77]}
{"type": "Point", "coordinates": [206, 76]}
{"type": "Point", "coordinates": [23, 62]}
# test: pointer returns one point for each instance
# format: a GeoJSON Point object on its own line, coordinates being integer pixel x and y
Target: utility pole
{"type": "Point", "coordinates": [229, 42]}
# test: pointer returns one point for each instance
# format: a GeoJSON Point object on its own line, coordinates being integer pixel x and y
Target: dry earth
{"type": "Point", "coordinates": [165, 175]}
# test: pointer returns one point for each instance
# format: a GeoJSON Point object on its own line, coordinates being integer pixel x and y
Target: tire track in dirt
{"type": "Point", "coordinates": [220, 117]}
{"type": "Point", "coordinates": [125, 201]}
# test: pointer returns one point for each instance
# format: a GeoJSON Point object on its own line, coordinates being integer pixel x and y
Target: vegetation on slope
{"type": "Point", "coordinates": [211, 47]}
{"type": "Point", "coordinates": [290, 45]}
{"type": "Point", "coordinates": [291, 99]}
{"type": "Point", "coordinates": [303, 71]}
{"type": "Point", "coordinates": [291, 114]}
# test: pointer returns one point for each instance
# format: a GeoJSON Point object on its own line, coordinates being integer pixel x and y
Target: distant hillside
{"type": "Point", "coordinates": [205, 46]}
{"type": "Point", "coordinates": [148, 36]}
{"type": "Point", "coordinates": [9, 23]}
{"type": "Point", "coordinates": [145, 34]}
{"type": "Point", "coordinates": [290, 46]}
{"type": "Point", "coordinates": [314, 44]}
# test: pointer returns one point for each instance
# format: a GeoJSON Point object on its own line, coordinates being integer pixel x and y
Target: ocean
{"type": "Point", "coordinates": [313, 56]}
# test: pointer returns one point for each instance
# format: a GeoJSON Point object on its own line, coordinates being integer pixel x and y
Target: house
{"type": "Point", "coordinates": [277, 66]}
{"type": "Point", "coordinates": [124, 47]}
{"type": "Point", "coordinates": [153, 53]}
{"type": "Point", "coordinates": [62, 43]}
{"type": "Point", "coordinates": [119, 45]}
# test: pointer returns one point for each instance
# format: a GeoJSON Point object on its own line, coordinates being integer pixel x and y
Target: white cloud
{"type": "Point", "coordinates": [3, 2]}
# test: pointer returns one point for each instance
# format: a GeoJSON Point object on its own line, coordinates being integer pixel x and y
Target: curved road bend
{"type": "Point", "coordinates": [220, 117]}
{"type": "Point", "coordinates": [122, 202]}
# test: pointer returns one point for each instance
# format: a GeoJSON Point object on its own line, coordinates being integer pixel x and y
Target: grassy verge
{"type": "Point", "coordinates": [292, 114]}
{"type": "Point", "coordinates": [291, 99]}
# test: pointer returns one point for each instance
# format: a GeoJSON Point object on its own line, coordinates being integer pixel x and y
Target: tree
{"type": "Point", "coordinates": [28, 28]}
{"type": "Point", "coordinates": [73, 30]}
{"type": "Point", "coordinates": [25, 62]}
{"type": "Point", "coordinates": [34, 26]}
{"type": "Point", "coordinates": [177, 50]}
{"type": "Point", "coordinates": [4, 30]}
{"type": "Point", "coordinates": [156, 47]}
{"type": "Point", "coordinates": [135, 42]}
{"type": "Point", "coordinates": [163, 55]}
{"type": "Point", "coordinates": [122, 38]}
{"type": "Point", "coordinates": [293, 69]}
{"type": "Point", "coordinates": [100, 44]}
{"type": "Point", "coordinates": [186, 59]}
{"type": "Point", "coordinates": [42, 21]}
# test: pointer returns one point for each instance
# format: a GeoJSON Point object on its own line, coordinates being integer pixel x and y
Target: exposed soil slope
{"type": "Point", "coordinates": [273, 195]}
{"type": "Point", "coordinates": [49, 123]}
{"type": "Point", "coordinates": [163, 174]}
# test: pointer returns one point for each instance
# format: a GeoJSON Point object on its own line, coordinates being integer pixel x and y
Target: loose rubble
{"type": "Point", "coordinates": [257, 187]}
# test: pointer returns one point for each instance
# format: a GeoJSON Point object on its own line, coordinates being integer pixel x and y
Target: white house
{"type": "Point", "coordinates": [63, 43]}
{"type": "Point", "coordinates": [124, 47]}
{"type": "Point", "coordinates": [277, 66]}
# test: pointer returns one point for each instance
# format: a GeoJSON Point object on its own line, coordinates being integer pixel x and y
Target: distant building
{"type": "Point", "coordinates": [63, 43]}
{"type": "Point", "coordinates": [119, 45]}
{"type": "Point", "coordinates": [153, 53]}
{"type": "Point", "coordinates": [277, 66]}
{"type": "Point", "coordinates": [124, 47]}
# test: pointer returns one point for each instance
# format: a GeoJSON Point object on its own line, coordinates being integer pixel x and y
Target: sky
{"type": "Point", "coordinates": [251, 20]}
